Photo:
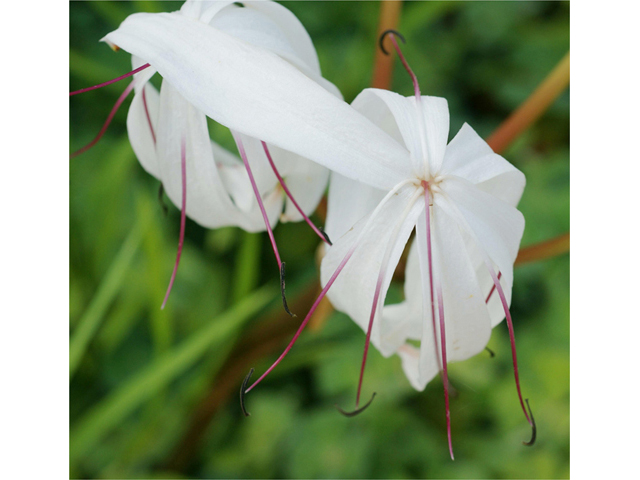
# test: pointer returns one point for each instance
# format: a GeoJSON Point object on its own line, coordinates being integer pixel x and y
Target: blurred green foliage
{"type": "Point", "coordinates": [140, 374]}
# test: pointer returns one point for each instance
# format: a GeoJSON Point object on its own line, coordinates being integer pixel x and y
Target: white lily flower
{"type": "Point", "coordinates": [460, 198]}
{"type": "Point", "coordinates": [219, 190]}
{"type": "Point", "coordinates": [202, 52]}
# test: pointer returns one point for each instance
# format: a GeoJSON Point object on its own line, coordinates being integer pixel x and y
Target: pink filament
{"type": "Point", "coordinates": [416, 87]}
{"type": "Point", "coordinates": [146, 111]}
{"type": "Point", "coordinates": [443, 340]}
{"type": "Point", "coordinates": [290, 195]}
{"type": "Point", "coordinates": [183, 218]}
{"type": "Point", "coordinates": [376, 295]}
{"type": "Point", "coordinates": [308, 317]}
{"type": "Point", "coordinates": [121, 77]}
{"type": "Point", "coordinates": [107, 122]}
{"type": "Point", "coordinates": [259, 199]}
{"type": "Point", "coordinates": [493, 288]}
{"type": "Point", "coordinates": [512, 338]}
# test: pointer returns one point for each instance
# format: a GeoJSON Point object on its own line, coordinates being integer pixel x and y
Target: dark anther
{"type": "Point", "coordinates": [243, 388]}
{"type": "Point", "coordinates": [326, 237]}
{"type": "Point", "coordinates": [491, 352]}
{"type": "Point", "coordinates": [239, 4]}
{"type": "Point", "coordinates": [284, 298]}
{"type": "Point", "coordinates": [387, 32]}
{"type": "Point", "coordinates": [534, 430]}
{"type": "Point", "coordinates": [165, 209]}
{"type": "Point", "coordinates": [357, 411]}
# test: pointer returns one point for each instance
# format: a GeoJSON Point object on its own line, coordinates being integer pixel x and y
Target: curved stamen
{"type": "Point", "coordinates": [493, 288]}
{"type": "Point", "coordinates": [320, 233]}
{"type": "Point", "coordinates": [443, 340]}
{"type": "Point", "coordinates": [183, 218]}
{"type": "Point", "coordinates": [425, 185]}
{"type": "Point", "coordinates": [376, 295]}
{"type": "Point", "coordinates": [418, 96]}
{"type": "Point", "coordinates": [390, 31]}
{"type": "Point", "coordinates": [514, 356]}
{"type": "Point", "coordinates": [333, 278]}
{"type": "Point", "coordinates": [121, 77]}
{"type": "Point", "coordinates": [534, 429]}
{"type": "Point", "coordinates": [357, 410]}
{"type": "Point", "coordinates": [392, 35]}
{"type": "Point", "coordinates": [503, 299]}
{"type": "Point", "coordinates": [491, 352]}
{"type": "Point", "coordinates": [146, 111]}
{"type": "Point", "coordinates": [265, 217]}
{"type": "Point", "coordinates": [108, 121]}
{"type": "Point", "coordinates": [243, 390]}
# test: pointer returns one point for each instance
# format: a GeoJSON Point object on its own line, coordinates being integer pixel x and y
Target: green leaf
{"type": "Point", "coordinates": [107, 291]}
{"type": "Point", "coordinates": [147, 382]}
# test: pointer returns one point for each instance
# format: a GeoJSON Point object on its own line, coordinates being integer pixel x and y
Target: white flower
{"type": "Point", "coordinates": [219, 190]}
{"type": "Point", "coordinates": [473, 191]}
{"type": "Point", "coordinates": [460, 198]}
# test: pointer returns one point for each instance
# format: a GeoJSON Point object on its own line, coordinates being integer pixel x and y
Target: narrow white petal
{"type": "Point", "coordinates": [426, 138]}
{"type": "Point", "coordinates": [289, 24]}
{"type": "Point", "coordinates": [253, 91]}
{"type": "Point", "coordinates": [497, 225]}
{"type": "Point", "coordinates": [354, 289]}
{"type": "Point", "coordinates": [142, 125]}
{"type": "Point", "coordinates": [468, 156]}
{"type": "Point", "coordinates": [436, 120]}
{"type": "Point", "coordinates": [403, 321]}
{"type": "Point", "coordinates": [348, 202]}
{"type": "Point", "coordinates": [208, 202]}
{"type": "Point", "coordinates": [467, 322]}
{"type": "Point", "coordinates": [307, 182]}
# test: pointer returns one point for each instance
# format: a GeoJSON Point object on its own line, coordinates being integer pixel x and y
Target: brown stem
{"type": "Point", "coordinates": [383, 65]}
{"type": "Point", "coordinates": [532, 108]}
{"type": "Point", "coordinates": [544, 250]}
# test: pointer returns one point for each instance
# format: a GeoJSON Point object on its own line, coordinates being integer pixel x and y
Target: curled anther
{"type": "Point", "coordinates": [326, 237]}
{"type": "Point", "coordinates": [243, 390]}
{"type": "Point", "coordinates": [165, 209]}
{"type": "Point", "coordinates": [387, 32]}
{"type": "Point", "coordinates": [284, 297]}
{"type": "Point", "coordinates": [356, 411]}
{"type": "Point", "coordinates": [491, 352]}
{"type": "Point", "coordinates": [534, 430]}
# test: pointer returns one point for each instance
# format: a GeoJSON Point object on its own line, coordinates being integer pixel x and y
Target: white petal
{"type": "Point", "coordinates": [468, 156]}
{"type": "Point", "coordinates": [436, 118]}
{"type": "Point", "coordinates": [400, 117]}
{"type": "Point", "coordinates": [403, 321]}
{"type": "Point", "coordinates": [497, 225]}
{"type": "Point", "coordinates": [253, 91]}
{"type": "Point", "coordinates": [204, 10]}
{"type": "Point", "coordinates": [208, 202]}
{"type": "Point", "coordinates": [307, 182]}
{"type": "Point", "coordinates": [348, 202]}
{"type": "Point", "coordinates": [296, 34]}
{"type": "Point", "coordinates": [354, 289]}
{"type": "Point", "coordinates": [495, 230]}
{"type": "Point", "coordinates": [467, 322]}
